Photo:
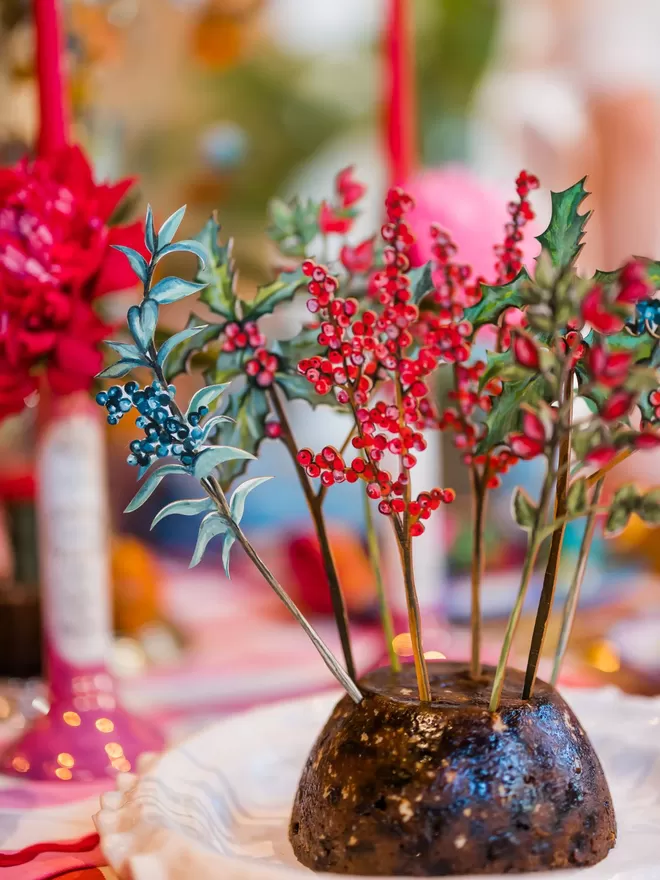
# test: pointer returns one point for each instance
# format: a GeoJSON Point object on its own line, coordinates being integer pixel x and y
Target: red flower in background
{"type": "Point", "coordinates": [358, 259]}
{"type": "Point", "coordinates": [349, 190]}
{"type": "Point", "coordinates": [56, 260]}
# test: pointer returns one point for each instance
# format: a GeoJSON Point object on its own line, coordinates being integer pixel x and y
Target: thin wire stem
{"type": "Point", "coordinates": [479, 502]}
{"type": "Point", "coordinates": [570, 607]}
{"type": "Point", "coordinates": [213, 488]}
{"type": "Point", "coordinates": [315, 508]}
{"type": "Point", "coordinates": [383, 604]}
{"type": "Point", "coordinates": [528, 567]}
{"type": "Point", "coordinates": [552, 566]}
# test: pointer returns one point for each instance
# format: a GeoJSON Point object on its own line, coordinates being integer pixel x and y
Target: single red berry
{"type": "Point", "coordinates": [274, 430]}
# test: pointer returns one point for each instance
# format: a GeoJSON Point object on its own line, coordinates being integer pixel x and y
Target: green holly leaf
{"type": "Point", "coordinates": [296, 387]}
{"type": "Point", "coordinates": [294, 225]}
{"type": "Point", "coordinates": [219, 274]}
{"type": "Point", "coordinates": [524, 509]}
{"type": "Point", "coordinates": [496, 299]}
{"type": "Point", "coordinates": [421, 282]}
{"type": "Point", "coordinates": [304, 345]}
{"type": "Point", "coordinates": [271, 295]}
{"type": "Point", "coordinates": [181, 356]}
{"type": "Point", "coordinates": [563, 237]}
{"type": "Point", "coordinates": [649, 507]}
{"type": "Point", "coordinates": [625, 502]}
{"type": "Point", "coordinates": [228, 365]}
{"type": "Point", "coordinates": [505, 416]}
{"type": "Point", "coordinates": [249, 409]}
{"type": "Point", "coordinates": [577, 499]}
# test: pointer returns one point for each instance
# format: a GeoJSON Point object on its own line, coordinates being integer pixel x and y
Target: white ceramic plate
{"type": "Point", "coordinates": [216, 807]}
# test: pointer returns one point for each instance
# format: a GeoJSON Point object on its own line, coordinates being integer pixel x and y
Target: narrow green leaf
{"type": "Point", "coordinates": [121, 368]}
{"type": "Point", "coordinates": [169, 228]}
{"type": "Point", "coordinates": [185, 507]}
{"type": "Point", "coordinates": [149, 231]}
{"type": "Point", "coordinates": [496, 299]}
{"type": "Point", "coordinates": [649, 507]}
{"type": "Point", "coordinates": [524, 509]}
{"type": "Point", "coordinates": [205, 397]}
{"type": "Point", "coordinates": [149, 486]}
{"type": "Point", "coordinates": [168, 347]}
{"type": "Point", "coordinates": [563, 237]}
{"type": "Point", "coordinates": [210, 458]}
{"type": "Point", "coordinates": [172, 289]}
{"type": "Point", "coordinates": [213, 524]}
{"type": "Point", "coordinates": [148, 321]}
{"type": "Point", "coordinates": [577, 500]}
{"type": "Point", "coordinates": [227, 544]}
{"type": "Point", "coordinates": [211, 425]}
{"type": "Point", "coordinates": [187, 246]}
{"type": "Point", "coordinates": [279, 291]}
{"type": "Point", "coordinates": [237, 503]}
{"type": "Point", "coordinates": [136, 260]}
{"type": "Point", "coordinates": [125, 350]}
{"type": "Point", "coordinates": [421, 282]}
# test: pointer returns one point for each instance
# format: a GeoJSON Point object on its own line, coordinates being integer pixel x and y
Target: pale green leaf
{"type": "Point", "coordinates": [210, 458]}
{"type": "Point", "coordinates": [185, 507]}
{"type": "Point", "coordinates": [213, 524]}
{"type": "Point", "coordinates": [169, 228]}
{"type": "Point", "coordinates": [237, 504]}
{"type": "Point", "coordinates": [152, 482]}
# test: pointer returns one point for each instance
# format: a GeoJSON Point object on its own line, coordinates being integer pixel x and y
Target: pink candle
{"type": "Point", "coordinates": [53, 109]}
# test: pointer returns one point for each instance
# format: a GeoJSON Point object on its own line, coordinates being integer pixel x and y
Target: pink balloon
{"type": "Point", "coordinates": [473, 211]}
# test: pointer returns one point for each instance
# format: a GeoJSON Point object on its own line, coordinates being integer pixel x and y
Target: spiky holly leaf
{"type": "Point", "coordinates": [652, 270]}
{"type": "Point", "coordinates": [271, 295]}
{"type": "Point", "coordinates": [294, 225]}
{"type": "Point", "coordinates": [421, 282]}
{"type": "Point", "coordinates": [179, 360]}
{"type": "Point", "coordinates": [219, 274]}
{"type": "Point", "coordinates": [249, 408]}
{"type": "Point", "coordinates": [496, 299]}
{"type": "Point", "coordinates": [505, 416]}
{"type": "Point", "coordinates": [304, 345]}
{"type": "Point", "coordinates": [641, 347]}
{"type": "Point", "coordinates": [563, 237]}
{"type": "Point", "coordinates": [296, 387]}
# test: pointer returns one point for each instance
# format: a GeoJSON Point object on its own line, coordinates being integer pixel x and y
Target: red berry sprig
{"type": "Point", "coordinates": [262, 367]}
{"type": "Point", "coordinates": [509, 254]}
{"type": "Point", "coordinates": [238, 336]}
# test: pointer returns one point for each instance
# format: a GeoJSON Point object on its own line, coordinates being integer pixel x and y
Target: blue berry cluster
{"type": "Point", "coordinates": [165, 433]}
{"type": "Point", "coordinates": [647, 310]}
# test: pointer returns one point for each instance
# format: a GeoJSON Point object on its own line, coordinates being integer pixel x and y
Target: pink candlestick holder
{"type": "Point", "coordinates": [86, 734]}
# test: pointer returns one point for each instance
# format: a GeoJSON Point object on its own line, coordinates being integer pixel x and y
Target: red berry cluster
{"type": "Point", "coordinates": [262, 367]}
{"type": "Point", "coordinates": [607, 310]}
{"type": "Point", "coordinates": [361, 349]}
{"type": "Point", "coordinates": [330, 466]}
{"type": "Point", "coordinates": [239, 336]}
{"type": "Point", "coordinates": [509, 254]}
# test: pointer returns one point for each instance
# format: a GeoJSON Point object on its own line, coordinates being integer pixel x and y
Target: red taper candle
{"type": "Point", "coordinates": [400, 124]}
{"type": "Point", "coordinates": [53, 110]}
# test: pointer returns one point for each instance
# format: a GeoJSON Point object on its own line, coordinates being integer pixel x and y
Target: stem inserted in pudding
{"type": "Point", "coordinates": [315, 505]}
{"type": "Point", "coordinates": [479, 499]}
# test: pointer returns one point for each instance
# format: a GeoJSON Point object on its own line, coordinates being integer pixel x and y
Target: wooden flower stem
{"type": "Point", "coordinates": [479, 501]}
{"type": "Point", "coordinates": [314, 503]}
{"type": "Point", "coordinates": [552, 567]}
{"type": "Point", "coordinates": [570, 607]}
{"type": "Point", "coordinates": [383, 604]}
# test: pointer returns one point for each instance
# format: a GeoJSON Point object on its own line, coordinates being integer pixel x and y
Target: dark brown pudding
{"type": "Point", "coordinates": [394, 787]}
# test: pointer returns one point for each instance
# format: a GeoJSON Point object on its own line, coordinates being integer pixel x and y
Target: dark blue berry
{"type": "Point", "coordinates": [115, 391]}
{"type": "Point", "coordinates": [132, 460]}
{"type": "Point", "coordinates": [138, 396]}
{"type": "Point", "coordinates": [203, 411]}
{"type": "Point", "coordinates": [152, 404]}
{"type": "Point", "coordinates": [160, 416]}
{"type": "Point", "coordinates": [112, 408]}
{"type": "Point", "coordinates": [149, 392]}
{"type": "Point", "coordinates": [164, 399]}
{"type": "Point", "coordinates": [172, 425]}
{"type": "Point", "coordinates": [187, 460]}
{"type": "Point", "coordinates": [141, 422]}
{"type": "Point", "coordinates": [196, 433]}
{"type": "Point", "coordinates": [125, 404]}
{"type": "Point", "coordinates": [148, 447]}
{"type": "Point", "coordinates": [183, 432]}
{"type": "Point", "coordinates": [162, 451]}
{"type": "Point", "coordinates": [131, 387]}
{"type": "Point", "coordinates": [156, 385]}
{"type": "Point", "coordinates": [143, 407]}
{"type": "Point", "coordinates": [101, 398]}
{"type": "Point", "coordinates": [135, 446]}
{"type": "Point", "coordinates": [177, 449]}
{"type": "Point", "coordinates": [193, 418]}
{"type": "Point", "coordinates": [172, 390]}
{"type": "Point", "coordinates": [188, 445]}
{"type": "Point", "coordinates": [112, 420]}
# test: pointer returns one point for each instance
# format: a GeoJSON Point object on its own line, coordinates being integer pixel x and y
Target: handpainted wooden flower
{"type": "Point", "coordinates": [56, 260]}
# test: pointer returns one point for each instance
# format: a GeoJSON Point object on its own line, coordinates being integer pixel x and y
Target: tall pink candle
{"type": "Point", "coordinates": [53, 109]}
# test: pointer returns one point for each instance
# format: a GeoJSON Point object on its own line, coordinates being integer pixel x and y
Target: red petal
{"type": "Point", "coordinates": [594, 311]}
{"type": "Point", "coordinates": [350, 190]}
{"type": "Point", "coordinates": [360, 258]}
{"type": "Point", "coordinates": [526, 352]}
{"type": "Point", "coordinates": [110, 195]}
{"type": "Point", "coordinates": [533, 427]}
{"type": "Point", "coordinates": [616, 406]}
{"type": "Point", "coordinates": [523, 447]}
{"type": "Point", "coordinates": [330, 222]}
{"type": "Point", "coordinates": [600, 456]}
